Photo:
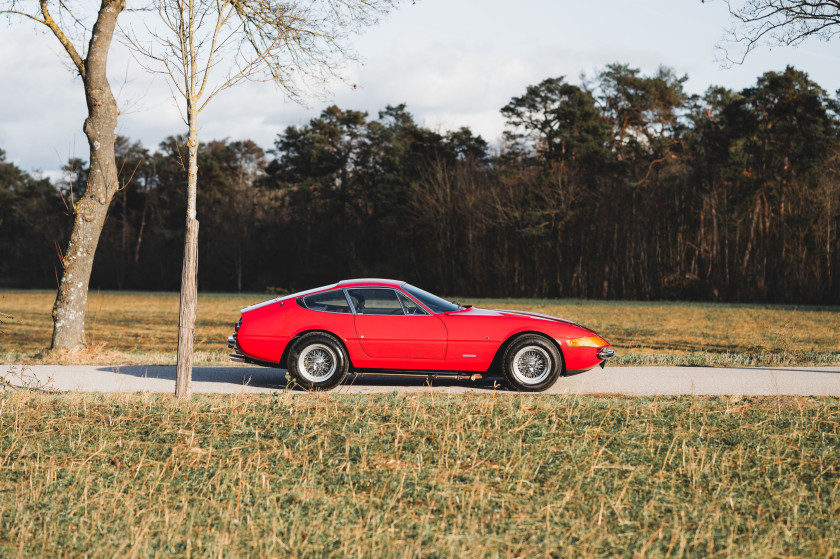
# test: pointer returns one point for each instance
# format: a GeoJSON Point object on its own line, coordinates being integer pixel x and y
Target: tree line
{"type": "Point", "coordinates": [624, 186]}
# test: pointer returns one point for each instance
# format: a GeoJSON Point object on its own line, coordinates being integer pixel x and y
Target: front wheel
{"type": "Point", "coordinates": [318, 361]}
{"type": "Point", "coordinates": [532, 364]}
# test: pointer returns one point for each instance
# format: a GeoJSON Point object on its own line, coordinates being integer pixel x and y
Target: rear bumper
{"type": "Point", "coordinates": [237, 354]}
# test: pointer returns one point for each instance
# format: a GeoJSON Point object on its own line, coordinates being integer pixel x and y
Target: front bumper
{"type": "Point", "coordinates": [604, 354]}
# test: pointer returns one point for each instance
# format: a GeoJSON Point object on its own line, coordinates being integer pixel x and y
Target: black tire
{"type": "Point", "coordinates": [532, 364]}
{"type": "Point", "coordinates": [318, 361]}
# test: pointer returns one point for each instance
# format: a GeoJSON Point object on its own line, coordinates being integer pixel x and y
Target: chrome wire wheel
{"type": "Point", "coordinates": [317, 362]}
{"type": "Point", "coordinates": [531, 365]}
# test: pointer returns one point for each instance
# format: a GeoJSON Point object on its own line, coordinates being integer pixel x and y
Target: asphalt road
{"type": "Point", "coordinates": [637, 381]}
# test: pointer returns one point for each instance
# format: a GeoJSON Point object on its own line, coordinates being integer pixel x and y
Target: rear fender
{"type": "Point", "coordinates": [284, 359]}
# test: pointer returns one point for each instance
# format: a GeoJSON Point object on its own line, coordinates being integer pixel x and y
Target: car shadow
{"type": "Point", "coordinates": [418, 381]}
{"type": "Point", "coordinates": [262, 377]}
{"type": "Point", "coordinates": [275, 378]}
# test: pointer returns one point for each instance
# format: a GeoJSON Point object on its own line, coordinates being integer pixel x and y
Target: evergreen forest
{"type": "Point", "coordinates": [622, 187]}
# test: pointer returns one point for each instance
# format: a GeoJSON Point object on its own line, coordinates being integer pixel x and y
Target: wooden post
{"type": "Point", "coordinates": [186, 321]}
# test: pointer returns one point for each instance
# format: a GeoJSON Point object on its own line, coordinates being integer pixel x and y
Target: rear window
{"type": "Point", "coordinates": [328, 301]}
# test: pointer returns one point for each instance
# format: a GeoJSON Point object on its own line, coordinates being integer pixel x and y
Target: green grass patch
{"type": "Point", "coordinates": [409, 475]}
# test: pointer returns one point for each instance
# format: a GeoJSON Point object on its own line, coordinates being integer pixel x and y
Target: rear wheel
{"type": "Point", "coordinates": [318, 361]}
{"type": "Point", "coordinates": [532, 364]}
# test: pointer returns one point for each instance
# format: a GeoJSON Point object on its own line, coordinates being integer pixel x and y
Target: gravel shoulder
{"type": "Point", "coordinates": [634, 381]}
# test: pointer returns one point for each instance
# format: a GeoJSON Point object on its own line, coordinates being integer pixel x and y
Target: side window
{"type": "Point", "coordinates": [375, 301]}
{"type": "Point", "coordinates": [410, 306]}
{"type": "Point", "coordinates": [328, 301]}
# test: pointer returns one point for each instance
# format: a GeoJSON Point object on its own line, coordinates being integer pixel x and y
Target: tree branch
{"type": "Point", "coordinates": [62, 38]}
{"type": "Point", "coordinates": [784, 22]}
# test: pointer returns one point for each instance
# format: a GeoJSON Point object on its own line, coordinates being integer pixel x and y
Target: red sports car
{"type": "Point", "coordinates": [390, 326]}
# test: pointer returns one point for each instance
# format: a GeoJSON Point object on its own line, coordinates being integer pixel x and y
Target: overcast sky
{"type": "Point", "coordinates": [453, 62]}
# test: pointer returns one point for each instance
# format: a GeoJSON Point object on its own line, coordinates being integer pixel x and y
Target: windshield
{"type": "Point", "coordinates": [433, 302]}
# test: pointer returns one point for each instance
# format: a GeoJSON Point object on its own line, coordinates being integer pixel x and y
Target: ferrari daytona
{"type": "Point", "coordinates": [387, 326]}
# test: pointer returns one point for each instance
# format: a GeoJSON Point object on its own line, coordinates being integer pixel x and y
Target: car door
{"type": "Point", "coordinates": [385, 331]}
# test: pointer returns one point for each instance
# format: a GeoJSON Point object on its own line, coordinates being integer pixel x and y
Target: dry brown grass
{"type": "Point", "coordinates": [418, 476]}
{"type": "Point", "coordinates": [680, 333]}
{"type": "Point", "coordinates": [141, 328]}
{"type": "Point", "coordinates": [121, 328]}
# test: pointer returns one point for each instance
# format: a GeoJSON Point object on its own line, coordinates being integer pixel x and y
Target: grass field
{"type": "Point", "coordinates": [141, 328]}
{"type": "Point", "coordinates": [408, 476]}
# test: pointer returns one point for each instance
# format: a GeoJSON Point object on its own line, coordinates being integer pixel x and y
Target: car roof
{"type": "Point", "coordinates": [361, 282]}
{"type": "Point", "coordinates": [366, 282]}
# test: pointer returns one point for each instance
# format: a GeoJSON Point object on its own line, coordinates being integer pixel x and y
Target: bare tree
{"type": "Point", "coordinates": [779, 22]}
{"type": "Point", "coordinates": [87, 46]}
{"type": "Point", "coordinates": [204, 47]}
{"type": "Point", "coordinates": [788, 22]}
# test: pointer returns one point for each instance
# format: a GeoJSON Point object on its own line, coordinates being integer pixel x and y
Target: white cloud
{"type": "Point", "coordinates": [454, 62]}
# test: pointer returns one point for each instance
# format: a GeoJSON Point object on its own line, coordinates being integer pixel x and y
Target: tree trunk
{"type": "Point", "coordinates": [91, 210]}
{"type": "Point", "coordinates": [140, 229]}
{"type": "Point", "coordinates": [186, 321]}
{"type": "Point", "coordinates": [239, 269]}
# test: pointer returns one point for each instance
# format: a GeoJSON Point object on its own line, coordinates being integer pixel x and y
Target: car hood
{"type": "Point", "coordinates": [516, 313]}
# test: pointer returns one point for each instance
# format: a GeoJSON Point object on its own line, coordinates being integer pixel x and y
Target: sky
{"type": "Point", "coordinates": [453, 62]}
